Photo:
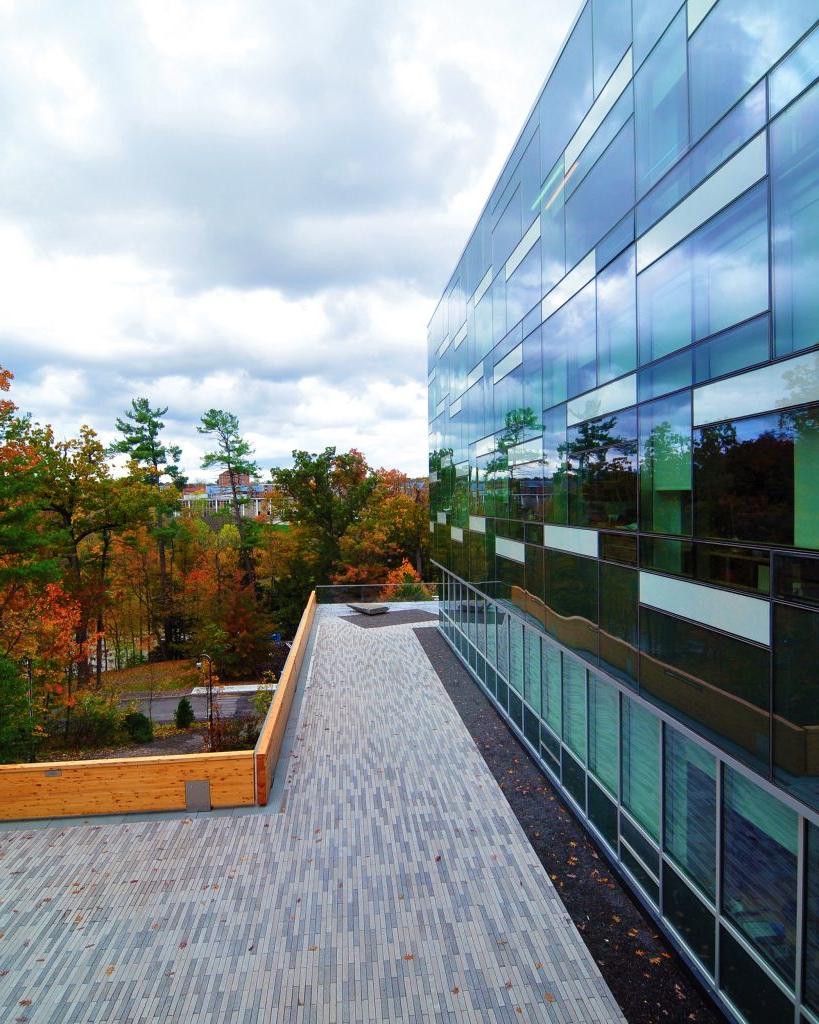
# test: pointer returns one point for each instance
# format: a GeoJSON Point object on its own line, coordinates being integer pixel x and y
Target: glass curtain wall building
{"type": "Point", "coordinates": [624, 468]}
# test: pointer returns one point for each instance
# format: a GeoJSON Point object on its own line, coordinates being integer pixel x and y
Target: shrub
{"type": "Point", "coordinates": [184, 716]}
{"type": "Point", "coordinates": [95, 720]}
{"type": "Point", "coordinates": [261, 701]}
{"type": "Point", "coordinates": [139, 727]}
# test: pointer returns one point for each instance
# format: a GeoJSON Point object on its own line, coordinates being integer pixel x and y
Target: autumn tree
{"type": "Point", "coordinates": [155, 463]}
{"type": "Point", "coordinates": [324, 494]}
{"type": "Point", "coordinates": [392, 526]}
{"type": "Point", "coordinates": [87, 505]}
{"type": "Point", "coordinates": [404, 584]}
{"type": "Point", "coordinates": [234, 454]}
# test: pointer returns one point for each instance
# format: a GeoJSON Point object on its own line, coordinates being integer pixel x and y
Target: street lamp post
{"type": "Point", "coordinates": [29, 667]}
{"type": "Point", "coordinates": [207, 657]}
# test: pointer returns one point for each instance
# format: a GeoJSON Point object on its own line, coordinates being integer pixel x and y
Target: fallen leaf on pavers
{"type": "Point", "coordinates": [455, 991]}
{"type": "Point", "coordinates": [518, 1010]}
{"type": "Point", "coordinates": [109, 970]}
{"type": "Point", "coordinates": [25, 1002]}
{"type": "Point", "coordinates": [615, 918]}
{"type": "Point", "coordinates": [183, 944]}
{"type": "Point", "coordinates": [508, 984]}
{"type": "Point", "coordinates": [409, 956]}
{"type": "Point", "coordinates": [633, 933]}
{"type": "Point", "coordinates": [550, 998]}
{"type": "Point", "coordinates": [655, 960]}
{"type": "Point", "coordinates": [538, 965]}
{"type": "Point", "coordinates": [502, 942]}
{"type": "Point", "coordinates": [438, 857]}
{"type": "Point", "coordinates": [639, 952]}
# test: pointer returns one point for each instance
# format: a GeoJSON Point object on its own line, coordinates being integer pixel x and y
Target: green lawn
{"type": "Point", "coordinates": [160, 677]}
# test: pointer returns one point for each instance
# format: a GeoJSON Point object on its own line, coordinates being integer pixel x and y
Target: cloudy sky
{"type": "Point", "coordinates": [249, 204]}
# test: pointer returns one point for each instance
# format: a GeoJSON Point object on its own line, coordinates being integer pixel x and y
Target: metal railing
{"type": "Point", "coordinates": [376, 593]}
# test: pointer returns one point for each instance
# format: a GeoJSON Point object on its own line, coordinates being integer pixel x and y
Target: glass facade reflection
{"type": "Point", "coordinates": [624, 468]}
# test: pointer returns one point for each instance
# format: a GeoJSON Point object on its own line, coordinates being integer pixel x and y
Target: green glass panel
{"type": "Point", "coordinates": [640, 756]}
{"type": "Point", "coordinates": [759, 851]}
{"type": "Point", "coordinates": [532, 670]}
{"type": "Point", "coordinates": [665, 465]}
{"type": "Point", "coordinates": [574, 707]}
{"type": "Point", "coordinates": [551, 688]}
{"type": "Point", "coordinates": [604, 727]}
{"type": "Point", "coordinates": [691, 808]}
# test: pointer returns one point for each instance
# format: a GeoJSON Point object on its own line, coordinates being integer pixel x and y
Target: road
{"type": "Point", "coordinates": [163, 707]}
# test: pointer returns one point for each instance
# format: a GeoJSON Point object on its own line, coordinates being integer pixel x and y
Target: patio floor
{"type": "Point", "coordinates": [388, 880]}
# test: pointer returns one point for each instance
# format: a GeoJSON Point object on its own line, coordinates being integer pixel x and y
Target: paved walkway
{"type": "Point", "coordinates": [389, 881]}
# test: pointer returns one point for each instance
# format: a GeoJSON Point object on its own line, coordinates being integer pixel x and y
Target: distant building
{"type": "Point", "coordinates": [216, 498]}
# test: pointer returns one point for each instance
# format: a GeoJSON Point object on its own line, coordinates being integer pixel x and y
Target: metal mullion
{"type": "Point", "coordinates": [693, 887]}
{"type": "Point", "coordinates": [767, 969]}
{"type": "Point", "coordinates": [801, 898]}
{"type": "Point", "coordinates": [720, 766]}
{"type": "Point", "coordinates": [649, 871]}
{"type": "Point", "coordinates": [661, 797]}
{"type": "Point", "coordinates": [639, 828]}
{"type": "Point", "coordinates": [720, 754]}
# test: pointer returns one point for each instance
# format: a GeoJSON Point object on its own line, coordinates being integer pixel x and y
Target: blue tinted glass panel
{"type": "Point", "coordinates": [530, 177]}
{"type": "Point", "coordinates": [616, 318]}
{"type": "Point", "coordinates": [795, 73]}
{"type": "Point", "coordinates": [498, 307]}
{"type": "Point", "coordinates": [665, 304]}
{"type": "Point", "coordinates": [611, 20]}
{"type": "Point", "coordinates": [620, 236]}
{"type": "Point", "coordinates": [733, 350]}
{"type": "Point", "coordinates": [555, 491]}
{"type": "Point", "coordinates": [714, 279]}
{"type": "Point", "coordinates": [573, 324]}
{"type": "Point", "coordinates": [664, 377]}
{"type": "Point", "coordinates": [523, 287]}
{"type": "Point", "coordinates": [724, 139]}
{"type": "Point", "coordinates": [553, 228]}
{"type": "Point", "coordinates": [602, 198]}
{"type": "Point", "coordinates": [661, 105]}
{"type": "Point", "coordinates": [795, 204]}
{"type": "Point", "coordinates": [650, 19]}
{"type": "Point", "coordinates": [581, 355]}
{"type": "Point", "coordinates": [735, 46]}
{"type": "Point", "coordinates": [691, 809]}
{"type": "Point", "coordinates": [568, 93]}
{"type": "Point", "coordinates": [731, 265]}
{"type": "Point", "coordinates": [613, 122]}
{"type": "Point", "coordinates": [507, 232]}
{"type": "Point", "coordinates": [759, 870]}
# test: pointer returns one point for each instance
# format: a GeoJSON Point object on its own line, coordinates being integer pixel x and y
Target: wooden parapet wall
{"type": "Point", "coordinates": [125, 785]}
{"type": "Point", "coordinates": [271, 737]}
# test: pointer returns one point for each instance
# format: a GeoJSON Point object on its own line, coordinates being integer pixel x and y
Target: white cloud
{"type": "Point", "coordinates": [251, 205]}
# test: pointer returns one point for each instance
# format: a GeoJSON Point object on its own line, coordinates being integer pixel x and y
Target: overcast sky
{"type": "Point", "coordinates": [249, 204]}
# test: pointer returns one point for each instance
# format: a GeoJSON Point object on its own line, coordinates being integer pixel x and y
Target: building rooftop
{"type": "Point", "coordinates": [387, 879]}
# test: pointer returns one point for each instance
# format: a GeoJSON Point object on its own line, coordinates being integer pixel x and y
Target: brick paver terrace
{"type": "Point", "coordinates": [388, 881]}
